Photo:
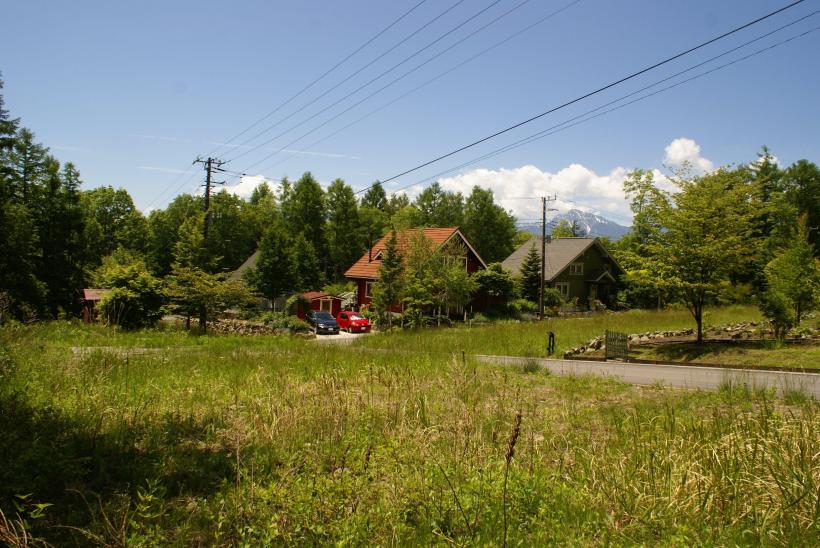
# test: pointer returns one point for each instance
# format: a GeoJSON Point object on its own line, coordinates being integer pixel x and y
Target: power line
{"type": "Point", "coordinates": [435, 78]}
{"type": "Point", "coordinates": [328, 107]}
{"type": "Point", "coordinates": [583, 117]}
{"type": "Point", "coordinates": [349, 77]}
{"type": "Point", "coordinates": [596, 91]}
{"type": "Point", "coordinates": [324, 74]}
{"type": "Point", "coordinates": [295, 96]}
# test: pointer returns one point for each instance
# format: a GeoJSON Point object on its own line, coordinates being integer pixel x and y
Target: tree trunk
{"type": "Point", "coordinates": [699, 321]}
{"type": "Point", "coordinates": [202, 320]}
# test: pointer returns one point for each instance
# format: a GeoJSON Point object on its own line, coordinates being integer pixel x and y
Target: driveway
{"type": "Point", "coordinates": [681, 376]}
{"type": "Point", "coordinates": [342, 338]}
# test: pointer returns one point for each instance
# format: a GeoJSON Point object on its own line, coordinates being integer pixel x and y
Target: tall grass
{"type": "Point", "coordinates": [281, 441]}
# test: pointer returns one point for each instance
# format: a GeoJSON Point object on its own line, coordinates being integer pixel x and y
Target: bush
{"type": "Point", "coordinates": [135, 296]}
{"type": "Point", "coordinates": [778, 310]}
{"type": "Point", "coordinates": [278, 320]}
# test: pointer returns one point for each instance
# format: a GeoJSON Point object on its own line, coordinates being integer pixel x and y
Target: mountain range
{"type": "Point", "coordinates": [590, 223]}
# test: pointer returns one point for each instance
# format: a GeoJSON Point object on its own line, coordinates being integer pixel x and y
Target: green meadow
{"type": "Point", "coordinates": [163, 438]}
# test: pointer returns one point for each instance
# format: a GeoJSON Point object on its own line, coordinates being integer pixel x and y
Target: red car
{"type": "Point", "coordinates": [352, 322]}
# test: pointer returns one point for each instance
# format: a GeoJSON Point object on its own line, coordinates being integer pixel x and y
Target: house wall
{"type": "Point", "coordinates": [594, 263]}
{"type": "Point", "coordinates": [316, 304]}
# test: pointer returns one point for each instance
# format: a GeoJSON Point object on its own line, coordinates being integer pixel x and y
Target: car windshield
{"type": "Point", "coordinates": [323, 316]}
{"type": "Point", "coordinates": [356, 317]}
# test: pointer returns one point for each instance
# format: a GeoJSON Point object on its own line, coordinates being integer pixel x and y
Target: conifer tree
{"type": "Point", "coordinates": [531, 275]}
{"type": "Point", "coordinates": [388, 290]}
{"type": "Point", "coordinates": [344, 239]}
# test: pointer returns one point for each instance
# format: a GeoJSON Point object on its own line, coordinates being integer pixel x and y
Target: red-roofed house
{"type": "Point", "coordinates": [365, 271]}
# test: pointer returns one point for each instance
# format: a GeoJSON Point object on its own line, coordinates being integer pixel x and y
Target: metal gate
{"type": "Point", "coordinates": [617, 346]}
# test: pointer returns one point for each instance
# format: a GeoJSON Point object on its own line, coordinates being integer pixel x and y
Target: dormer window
{"type": "Point", "coordinates": [378, 256]}
{"type": "Point", "coordinates": [576, 269]}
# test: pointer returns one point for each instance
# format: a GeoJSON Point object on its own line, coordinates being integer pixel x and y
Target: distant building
{"type": "Point", "coordinates": [577, 267]}
{"type": "Point", "coordinates": [90, 301]}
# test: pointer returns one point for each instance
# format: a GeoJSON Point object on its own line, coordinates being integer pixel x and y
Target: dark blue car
{"type": "Point", "coordinates": [322, 322]}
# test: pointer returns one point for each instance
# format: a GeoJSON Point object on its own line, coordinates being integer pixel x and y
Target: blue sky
{"type": "Point", "coordinates": [133, 92]}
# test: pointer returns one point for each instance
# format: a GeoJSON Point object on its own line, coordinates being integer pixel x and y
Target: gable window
{"type": "Point", "coordinates": [563, 289]}
{"type": "Point", "coordinates": [368, 289]}
{"type": "Point", "coordinates": [377, 256]}
{"type": "Point", "coordinates": [576, 269]}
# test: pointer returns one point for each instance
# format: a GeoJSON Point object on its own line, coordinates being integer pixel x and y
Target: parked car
{"type": "Point", "coordinates": [352, 322]}
{"type": "Point", "coordinates": [322, 322]}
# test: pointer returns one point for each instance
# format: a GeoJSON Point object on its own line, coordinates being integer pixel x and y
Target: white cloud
{"type": "Point", "coordinates": [576, 186]}
{"type": "Point", "coordinates": [244, 188]}
{"type": "Point", "coordinates": [686, 151]}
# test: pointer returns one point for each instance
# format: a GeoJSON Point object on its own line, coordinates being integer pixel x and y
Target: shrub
{"type": "Point", "coordinates": [278, 320]}
{"type": "Point", "coordinates": [778, 310]}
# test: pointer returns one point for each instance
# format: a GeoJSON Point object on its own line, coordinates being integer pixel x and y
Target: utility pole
{"type": "Point", "coordinates": [544, 201]}
{"type": "Point", "coordinates": [210, 165]}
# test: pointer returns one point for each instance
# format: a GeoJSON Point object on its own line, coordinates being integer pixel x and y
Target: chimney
{"type": "Point", "coordinates": [369, 254]}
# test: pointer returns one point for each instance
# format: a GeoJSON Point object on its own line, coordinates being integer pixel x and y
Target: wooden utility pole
{"type": "Point", "coordinates": [543, 257]}
{"type": "Point", "coordinates": [210, 164]}
{"type": "Point", "coordinates": [544, 201]}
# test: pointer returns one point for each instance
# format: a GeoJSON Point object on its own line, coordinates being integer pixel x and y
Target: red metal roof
{"type": "Point", "coordinates": [369, 269]}
{"type": "Point", "coordinates": [94, 294]}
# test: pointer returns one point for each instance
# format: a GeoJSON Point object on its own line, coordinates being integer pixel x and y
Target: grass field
{"type": "Point", "coordinates": [529, 338]}
{"type": "Point", "coordinates": [158, 437]}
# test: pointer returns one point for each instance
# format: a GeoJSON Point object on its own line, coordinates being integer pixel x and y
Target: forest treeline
{"type": "Point", "coordinates": [746, 233]}
{"type": "Point", "coordinates": [56, 237]}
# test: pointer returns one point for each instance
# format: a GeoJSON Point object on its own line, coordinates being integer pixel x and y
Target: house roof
{"type": "Point", "coordinates": [249, 263]}
{"type": "Point", "coordinates": [560, 253]}
{"type": "Point", "coordinates": [368, 268]}
{"type": "Point", "coordinates": [94, 294]}
{"type": "Point", "coordinates": [313, 295]}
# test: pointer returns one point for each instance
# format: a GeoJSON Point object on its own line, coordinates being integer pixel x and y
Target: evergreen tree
{"type": "Point", "coordinates": [343, 232]}
{"type": "Point", "coordinates": [233, 232]}
{"type": "Point", "coordinates": [438, 207]}
{"type": "Point", "coordinates": [304, 212]}
{"type": "Point", "coordinates": [28, 162]}
{"type": "Point", "coordinates": [192, 291]}
{"type": "Point", "coordinates": [308, 269]}
{"type": "Point", "coordinates": [531, 275]}
{"type": "Point", "coordinates": [801, 182]}
{"type": "Point", "coordinates": [163, 228]}
{"type": "Point", "coordinates": [388, 290]}
{"type": "Point", "coordinates": [276, 270]}
{"type": "Point", "coordinates": [375, 197]}
{"type": "Point", "coordinates": [488, 227]}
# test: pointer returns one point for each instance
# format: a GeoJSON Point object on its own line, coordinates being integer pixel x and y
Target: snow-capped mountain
{"type": "Point", "coordinates": [590, 223]}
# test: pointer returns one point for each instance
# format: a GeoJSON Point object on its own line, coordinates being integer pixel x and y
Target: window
{"type": "Point", "coordinates": [563, 289]}
{"type": "Point", "coordinates": [576, 269]}
{"type": "Point", "coordinates": [368, 289]}
{"type": "Point", "coordinates": [377, 256]}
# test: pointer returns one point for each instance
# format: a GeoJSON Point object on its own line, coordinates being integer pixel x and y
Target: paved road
{"type": "Point", "coordinates": [680, 376]}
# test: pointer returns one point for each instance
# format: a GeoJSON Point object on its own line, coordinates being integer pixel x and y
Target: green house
{"type": "Point", "coordinates": [579, 268]}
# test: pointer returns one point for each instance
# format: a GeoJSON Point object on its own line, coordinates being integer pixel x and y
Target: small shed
{"type": "Point", "coordinates": [90, 299]}
{"type": "Point", "coordinates": [317, 300]}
